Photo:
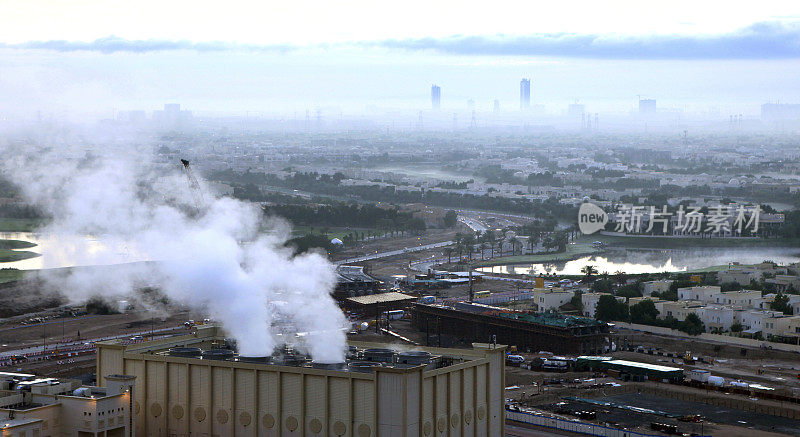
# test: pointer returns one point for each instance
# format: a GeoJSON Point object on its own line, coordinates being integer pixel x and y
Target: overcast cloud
{"type": "Point", "coordinates": [768, 40]}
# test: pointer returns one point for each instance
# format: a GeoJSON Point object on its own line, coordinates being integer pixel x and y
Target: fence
{"type": "Point", "coordinates": [572, 426]}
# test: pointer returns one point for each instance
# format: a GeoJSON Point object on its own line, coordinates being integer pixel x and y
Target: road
{"type": "Point", "coordinates": [473, 224]}
{"type": "Point", "coordinates": [519, 431]}
{"type": "Point", "coordinates": [393, 252]}
{"type": "Point", "coordinates": [91, 341]}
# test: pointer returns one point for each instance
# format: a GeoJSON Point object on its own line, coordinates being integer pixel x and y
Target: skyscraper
{"type": "Point", "coordinates": [647, 106]}
{"type": "Point", "coordinates": [525, 94]}
{"type": "Point", "coordinates": [436, 96]}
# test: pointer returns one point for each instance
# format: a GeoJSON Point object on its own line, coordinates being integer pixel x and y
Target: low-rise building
{"type": "Point", "coordinates": [782, 326]}
{"type": "Point", "coordinates": [739, 275]}
{"type": "Point", "coordinates": [718, 317]}
{"type": "Point", "coordinates": [677, 309]}
{"type": "Point", "coordinates": [752, 321]}
{"type": "Point", "coordinates": [742, 298]}
{"type": "Point", "coordinates": [704, 293]}
{"type": "Point", "coordinates": [784, 283]}
{"type": "Point", "coordinates": [63, 407]}
{"type": "Point", "coordinates": [547, 299]}
{"type": "Point", "coordinates": [659, 286]}
{"type": "Point", "coordinates": [590, 300]}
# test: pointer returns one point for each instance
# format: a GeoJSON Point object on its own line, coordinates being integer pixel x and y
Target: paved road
{"type": "Point", "coordinates": [473, 224]}
{"type": "Point", "coordinates": [393, 252]}
{"type": "Point", "coordinates": [52, 346]}
{"type": "Point", "coordinates": [519, 431]}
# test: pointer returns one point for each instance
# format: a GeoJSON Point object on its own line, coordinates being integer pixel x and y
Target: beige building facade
{"type": "Point", "coordinates": [460, 393]}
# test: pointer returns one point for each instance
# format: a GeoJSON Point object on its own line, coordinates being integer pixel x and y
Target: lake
{"type": "Point", "coordinates": [66, 251]}
{"type": "Point", "coordinates": [633, 261]}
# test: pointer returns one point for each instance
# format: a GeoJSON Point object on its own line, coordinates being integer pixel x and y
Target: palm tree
{"type": "Point", "coordinates": [483, 249]}
{"type": "Point", "coordinates": [621, 277]}
{"type": "Point", "coordinates": [589, 270]}
{"type": "Point", "coordinates": [449, 252]}
{"type": "Point", "coordinates": [513, 241]}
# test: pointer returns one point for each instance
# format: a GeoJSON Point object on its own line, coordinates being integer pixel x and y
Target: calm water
{"type": "Point", "coordinates": [65, 251]}
{"type": "Point", "coordinates": [634, 261]}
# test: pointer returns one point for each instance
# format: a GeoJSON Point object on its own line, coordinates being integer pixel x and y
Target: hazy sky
{"type": "Point", "coordinates": [289, 56]}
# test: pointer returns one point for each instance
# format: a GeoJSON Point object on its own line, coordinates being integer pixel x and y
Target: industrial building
{"type": "Point", "coordinates": [191, 386]}
{"type": "Point", "coordinates": [374, 304]}
{"type": "Point", "coordinates": [633, 369]}
{"type": "Point", "coordinates": [354, 281]}
{"type": "Point", "coordinates": [42, 407]}
{"type": "Point", "coordinates": [528, 331]}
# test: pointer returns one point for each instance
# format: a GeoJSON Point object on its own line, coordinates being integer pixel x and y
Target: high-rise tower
{"type": "Point", "coordinates": [525, 94]}
{"type": "Point", "coordinates": [436, 96]}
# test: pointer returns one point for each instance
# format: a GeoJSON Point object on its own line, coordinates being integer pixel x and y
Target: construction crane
{"type": "Point", "coordinates": [194, 186]}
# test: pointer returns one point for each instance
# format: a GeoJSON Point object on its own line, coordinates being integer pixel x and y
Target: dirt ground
{"type": "Point", "coordinates": [16, 335]}
{"type": "Point", "coordinates": [772, 368]}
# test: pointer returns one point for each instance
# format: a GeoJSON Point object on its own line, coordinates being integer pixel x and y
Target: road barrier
{"type": "Point", "coordinates": [544, 421]}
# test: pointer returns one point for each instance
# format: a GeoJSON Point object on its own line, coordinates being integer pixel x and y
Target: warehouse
{"type": "Point", "coordinates": [188, 385]}
{"type": "Point", "coordinates": [535, 332]}
{"type": "Point", "coordinates": [633, 369]}
{"type": "Point", "coordinates": [373, 304]}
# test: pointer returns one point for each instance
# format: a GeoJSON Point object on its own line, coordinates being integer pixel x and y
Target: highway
{"type": "Point", "coordinates": [387, 254]}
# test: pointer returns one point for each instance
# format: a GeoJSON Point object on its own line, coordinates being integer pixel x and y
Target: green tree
{"type": "Point", "coordinates": [589, 271]}
{"type": "Point", "coordinates": [644, 313]}
{"type": "Point", "coordinates": [450, 218]}
{"type": "Point", "coordinates": [576, 300]}
{"type": "Point", "coordinates": [609, 308]}
{"type": "Point", "coordinates": [781, 303]}
{"type": "Point", "coordinates": [736, 327]}
{"type": "Point", "coordinates": [692, 325]}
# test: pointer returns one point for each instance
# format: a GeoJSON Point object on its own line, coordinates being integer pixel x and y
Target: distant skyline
{"type": "Point", "coordinates": [97, 56]}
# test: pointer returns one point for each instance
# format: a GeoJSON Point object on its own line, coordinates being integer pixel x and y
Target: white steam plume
{"type": "Point", "coordinates": [218, 261]}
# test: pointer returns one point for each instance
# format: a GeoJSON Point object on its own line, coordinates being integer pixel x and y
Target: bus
{"type": "Point", "coordinates": [481, 294]}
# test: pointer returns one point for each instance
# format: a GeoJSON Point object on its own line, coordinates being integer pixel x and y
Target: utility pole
{"type": "Point", "coordinates": [471, 291]}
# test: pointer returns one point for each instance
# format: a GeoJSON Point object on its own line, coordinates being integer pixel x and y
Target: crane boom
{"type": "Point", "coordinates": [194, 186]}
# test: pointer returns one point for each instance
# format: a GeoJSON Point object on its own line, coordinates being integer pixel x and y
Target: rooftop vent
{"type": "Point", "coordinates": [379, 355]}
{"type": "Point", "coordinates": [217, 354]}
{"type": "Point", "coordinates": [363, 366]}
{"type": "Point", "coordinates": [186, 352]}
{"type": "Point", "coordinates": [414, 357]}
{"type": "Point", "coordinates": [329, 366]}
{"type": "Point", "coordinates": [255, 360]}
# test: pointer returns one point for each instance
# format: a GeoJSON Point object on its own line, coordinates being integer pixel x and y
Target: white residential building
{"type": "Point", "coordinates": [718, 316]}
{"type": "Point", "coordinates": [551, 298]}
{"type": "Point", "coordinates": [753, 320]}
{"type": "Point", "coordinates": [704, 293]}
{"type": "Point", "coordinates": [742, 298]}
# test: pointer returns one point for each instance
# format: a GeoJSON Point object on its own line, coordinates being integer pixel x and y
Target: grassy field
{"type": "Point", "coordinates": [577, 250]}
{"type": "Point", "coordinates": [19, 225]}
{"type": "Point", "coordinates": [15, 255]}
{"type": "Point", "coordinates": [15, 244]}
{"type": "Point", "coordinates": [9, 250]}
{"type": "Point", "coordinates": [10, 275]}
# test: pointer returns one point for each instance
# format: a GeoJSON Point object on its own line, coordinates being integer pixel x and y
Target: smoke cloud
{"type": "Point", "coordinates": [142, 219]}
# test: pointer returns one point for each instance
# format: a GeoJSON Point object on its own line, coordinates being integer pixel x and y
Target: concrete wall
{"type": "Point", "coordinates": [223, 398]}
{"type": "Point", "coordinates": [736, 341]}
